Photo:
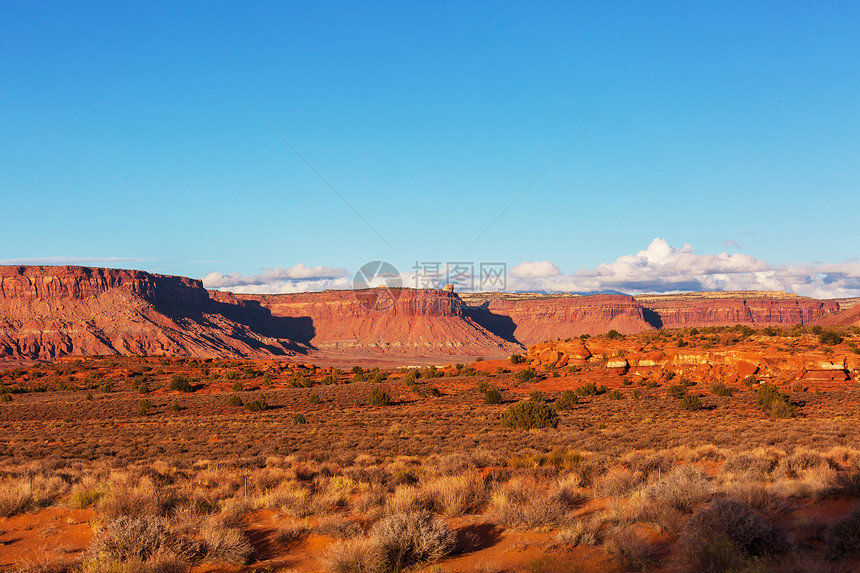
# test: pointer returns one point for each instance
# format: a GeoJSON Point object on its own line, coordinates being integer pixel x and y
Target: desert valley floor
{"type": "Point", "coordinates": [160, 463]}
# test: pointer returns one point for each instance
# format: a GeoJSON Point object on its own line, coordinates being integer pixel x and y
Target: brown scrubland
{"type": "Point", "coordinates": [711, 449]}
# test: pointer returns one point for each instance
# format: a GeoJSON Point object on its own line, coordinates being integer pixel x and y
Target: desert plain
{"type": "Point", "coordinates": [147, 424]}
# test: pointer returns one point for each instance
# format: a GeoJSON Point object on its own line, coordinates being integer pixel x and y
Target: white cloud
{"type": "Point", "coordinates": [660, 268]}
{"type": "Point", "coordinates": [663, 268]}
{"type": "Point", "coordinates": [299, 278]}
{"type": "Point", "coordinates": [536, 269]}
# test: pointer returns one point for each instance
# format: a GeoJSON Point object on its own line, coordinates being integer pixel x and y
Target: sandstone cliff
{"type": "Point", "coordinates": [46, 312]}
{"type": "Point", "coordinates": [533, 318]}
{"type": "Point", "coordinates": [756, 309]}
{"type": "Point", "coordinates": [405, 322]}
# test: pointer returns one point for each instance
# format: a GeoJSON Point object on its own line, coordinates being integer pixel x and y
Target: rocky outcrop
{"type": "Point", "coordinates": [769, 361]}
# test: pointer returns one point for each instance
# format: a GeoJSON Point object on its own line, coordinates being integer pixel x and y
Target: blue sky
{"type": "Point", "coordinates": [729, 132]}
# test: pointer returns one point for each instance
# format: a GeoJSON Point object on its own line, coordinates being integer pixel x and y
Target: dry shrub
{"type": "Point", "coordinates": [755, 465]}
{"type": "Point", "coordinates": [371, 498]}
{"type": "Point", "coordinates": [726, 536]}
{"type": "Point", "coordinates": [407, 498]}
{"type": "Point", "coordinates": [290, 497]}
{"type": "Point", "coordinates": [19, 494]}
{"type": "Point", "coordinates": [581, 532]}
{"type": "Point", "coordinates": [657, 512]}
{"type": "Point", "coordinates": [417, 537]}
{"type": "Point", "coordinates": [129, 497]}
{"type": "Point", "coordinates": [85, 493]}
{"type": "Point", "coordinates": [794, 466]}
{"type": "Point", "coordinates": [158, 563]}
{"type": "Point", "coordinates": [681, 488]}
{"type": "Point", "coordinates": [630, 548]}
{"type": "Point", "coordinates": [456, 495]}
{"type": "Point", "coordinates": [760, 497]}
{"type": "Point", "coordinates": [845, 484]}
{"type": "Point", "coordinates": [289, 535]}
{"type": "Point", "coordinates": [648, 462]}
{"type": "Point", "coordinates": [136, 539]}
{"type": "Point", "coordinates": [233, 509]}
{"type": "Point", "coordinates": [704, 453]}
{"type": "Point", "coordinates": [842, 537]}
{"type": "Point", "coordinates": [337, 526]}
{"type": "Point", "coordinates": [618, 482]}
{"type": "Point", "coordinates": [591, 467]}
{"type": "Point", "coordinates": [528, 503]}
{"type": "Point", "coordinates": [359, 555]}
{"type": "Point", "coordinates": [225, 545]}
{"type": "Point", "coordinates": [45, 565]}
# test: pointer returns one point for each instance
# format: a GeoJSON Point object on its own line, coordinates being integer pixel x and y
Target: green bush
{"type": "Point", "coordinates": [830, 338]}
{"type": "Point", "coordinates": [536, 396]}
{"type": "Point", "coordinates": [377, 397]}
{"type": "Point", "coordinates": [299, 418]}
{"type": "Point", "coordinates": [729, 536]}
{"type": "Point", "coordinates": [181, 383]}
{"type": "Point", "coordinates": [690, 403]}
{"type": "Point", "coordinates": [257, 405]}
{"type": "Point", "coordinates": [328, 379]}
{"type": "Point", "coordinates": [314, 399]}
{"type": "Point", "coordinates": [774, 403]}
{"type": "Point", "coordinates": [143, 407]}
{"type": "Point", "coordinates": [517, 358]}
{"type": "Point", "coordinates": [614, 334]}
{"type": "Point", "coordinates": [566, 401]}
{"type": "Point", "coordinates": [359, 378]}
{"type": "Point", "coordinates": [616, 395]}
{"type": "Point", "coordinates": [529, 414]}
{"type": "Point", "coordinates": [175, 407]}
{"type": "Point", "coordinates": [238, 387]}
{"type": "Point", "coordinates": [234, 400]}
{"type": "Point", "coordinates": [589, 389]}
{"type": "Point", "coordinates": [5, 397]}
{"type": "Point", "coordinates": [677, 391]}
{"type": "Point", "coordinates": [493, 396]}
{"type": "Point", "coordinates": [720, 389]}
{"type": "Point", "coordinates": [526, 375]}
{"type": "Point", "coordinates": [89, 397]}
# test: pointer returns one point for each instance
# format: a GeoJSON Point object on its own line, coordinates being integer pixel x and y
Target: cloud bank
{"type": "Point", "coordinates": [660, 268]}
{"type": "Point", "coordinates": [281, 280]}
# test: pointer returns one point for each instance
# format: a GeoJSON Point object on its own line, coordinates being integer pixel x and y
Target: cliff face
{"type": "Point", "coordinates": [401, 321]}
{"type": "Point", "coordinates": [728, 309]}
{"type": "Point", "coordinates": [531, 320]}
{"type": "Point", "coordinates": [72, 282]}
{"type": "Point", "coordinates": [46, 312]}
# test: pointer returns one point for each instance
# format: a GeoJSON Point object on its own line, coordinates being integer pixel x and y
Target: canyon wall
{"type": "Point", "coordinates": [46, 312]}
{"type": "Point", "coordinates": [531, 319]}
{"type": "Point", "coordinates": [756, 309]}
{"type": "Point", "coordinates": [386, 321]}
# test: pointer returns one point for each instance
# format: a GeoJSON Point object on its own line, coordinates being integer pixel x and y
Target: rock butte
{"type": "Point", "coordinates": [52, 311]}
